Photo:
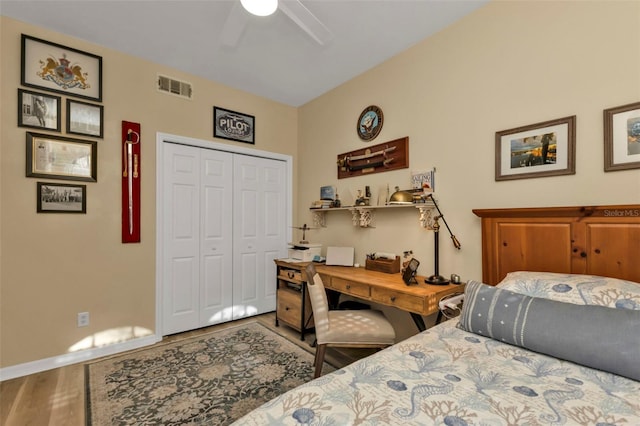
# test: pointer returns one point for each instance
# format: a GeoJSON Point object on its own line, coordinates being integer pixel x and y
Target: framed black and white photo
{"type": "Point", "coordinates": [57, 68]}
{"type": "Point", "coordinates": [84, 118]}
{"type": "Point", "coordinates": [537, 150]}
{"type": "Point", "coordinates": [38, 110]}
{"type": "Point", "coordinates": [622, 137]}
{"type": "Point", "coordinates": [61, 198]}
{"type": "Point", "coordinates": [233, 125]}
{"type": "Point", "coordinates": [57, 157]}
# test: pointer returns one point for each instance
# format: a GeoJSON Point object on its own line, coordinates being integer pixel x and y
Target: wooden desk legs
{"type": "Point", "coordinates": [417, 318]}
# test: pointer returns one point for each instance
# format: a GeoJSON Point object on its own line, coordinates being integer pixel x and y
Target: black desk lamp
{"type": "Point", "coordinates": [436, 278]}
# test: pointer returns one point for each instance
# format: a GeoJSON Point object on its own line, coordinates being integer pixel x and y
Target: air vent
{"type": "Point", "coordinates": [174, 87]}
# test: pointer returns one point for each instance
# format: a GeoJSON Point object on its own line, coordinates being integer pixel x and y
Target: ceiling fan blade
{"type": "Point", "coordinates": [306, 20]}
{"type": "Point", "coordinates": [234, 26]}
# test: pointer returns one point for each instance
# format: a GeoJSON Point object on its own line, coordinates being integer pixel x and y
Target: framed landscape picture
{"type": "Point", "coordinates": [622, 137]}
{"type": "Point", "coordinates": [57, 68]}
{"type": "Point", "coordinates": [38, 110]}
{"type": "Point", "coordinates": [537, 150]}
{"type": "Point", "coordinates": [61, 198]}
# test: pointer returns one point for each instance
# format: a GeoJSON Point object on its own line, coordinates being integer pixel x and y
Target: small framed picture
{"type": "Point", "coordinates": [57, 157]}
{"type": "Point", "coordinates": [622, 137]}
{"type": "Point", "coordinates": [61, 198]}
{"type": "Point", "coordinates": [234, 126]}
{"type": "Point", "coordinates": [38, 110]}
{"type": "Point", "coordinates": [537, 150]}
{"type": "Point", "coordinates": [84, 118]}
{"type": "Point", "coordinates": [328, 192]}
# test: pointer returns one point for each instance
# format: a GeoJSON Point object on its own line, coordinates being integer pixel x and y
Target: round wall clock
{"type": "Point", "coordinates": [370, 123]}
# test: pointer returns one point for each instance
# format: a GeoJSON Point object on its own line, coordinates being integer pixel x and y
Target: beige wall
{"type": "Point", "coordinates": [507, 65]}
{"type": "Point", "coordinates": [56, 265]}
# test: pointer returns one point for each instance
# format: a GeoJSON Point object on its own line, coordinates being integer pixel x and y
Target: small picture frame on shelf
{"type": "Point", "coordinates": [328, 192]}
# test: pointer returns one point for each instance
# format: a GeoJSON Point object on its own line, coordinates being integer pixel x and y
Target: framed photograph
{"type": "Point", "coordinates": [59, 157]}
{"type": "Point", "coordinates": [38, 110]}
{"type": "Point", "coordinates": [538, 150]}
{"type": "Point", "coordinates": [328, 192]}
{"type": "Point", "coordinates": [57, 68]}
{"type": "Point", "coordinates": [233, 125]}
{"type": "Point", "coordinates": [622, 137]}
{"type": "Point", "coordinates": [84, 118]}
{"type": "Point", "coordinates": [61, 198]}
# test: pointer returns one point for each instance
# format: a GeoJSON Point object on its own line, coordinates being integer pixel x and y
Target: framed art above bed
{"type": "Point", "coordinates": [537, 150]}
{"type": "Point", "coordinates": [622, 137]}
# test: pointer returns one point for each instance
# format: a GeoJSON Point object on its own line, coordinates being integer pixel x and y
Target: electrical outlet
{"type": "Point", "coordinates": [83, 319]}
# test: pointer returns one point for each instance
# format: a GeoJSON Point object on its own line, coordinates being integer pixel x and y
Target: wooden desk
{"type": "Point", "coordinates": [387, 289]}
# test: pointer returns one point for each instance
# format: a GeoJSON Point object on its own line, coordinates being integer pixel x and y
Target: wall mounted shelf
{"type": "Point", "coordinates": [363, 216]}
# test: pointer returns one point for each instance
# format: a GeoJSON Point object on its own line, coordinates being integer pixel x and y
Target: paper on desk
{"type": "Point", "coordinates": [290, 260]}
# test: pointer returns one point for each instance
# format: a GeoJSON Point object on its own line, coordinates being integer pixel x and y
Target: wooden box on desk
{"type": "Point", "coordinates": [390, 266]}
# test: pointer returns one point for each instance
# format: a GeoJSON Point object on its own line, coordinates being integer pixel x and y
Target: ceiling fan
{"type": "Point", "coordinates": [294, 9]}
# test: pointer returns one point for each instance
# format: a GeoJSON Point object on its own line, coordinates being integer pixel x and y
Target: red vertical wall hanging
{"type": "Point", "coordinates": [131, 173]}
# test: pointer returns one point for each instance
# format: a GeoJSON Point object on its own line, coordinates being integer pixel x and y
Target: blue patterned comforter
{"type": "Point", "coordinates": [447, 376]}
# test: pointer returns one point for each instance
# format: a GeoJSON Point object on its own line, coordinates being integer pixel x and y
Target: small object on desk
{"type": "Point", "coordinates": [340, 256]}
{"type": "Point", "coordinates": [304, 252]}
{"type": "Point", "coordinates": [455, 279]}
{"type": "Point", "coordinates": [383, 262]}
{"type": "Point", "coordinates": [409, 274]}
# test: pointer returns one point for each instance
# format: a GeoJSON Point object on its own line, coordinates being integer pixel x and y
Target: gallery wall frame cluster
{"type": "Point", "coordinates": [49, 70]}
{"type": "Point", "coordinates": [548, 148]}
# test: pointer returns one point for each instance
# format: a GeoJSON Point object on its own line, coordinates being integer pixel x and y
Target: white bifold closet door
{"type": "Point", "coordinates": [223, 226]}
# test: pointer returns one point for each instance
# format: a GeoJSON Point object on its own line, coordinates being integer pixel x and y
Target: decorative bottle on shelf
{"type": "Point", "coordinates": [336, 202]}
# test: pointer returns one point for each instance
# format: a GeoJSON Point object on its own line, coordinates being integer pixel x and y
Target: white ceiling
{"type": "Point", "coordinates": [273, 57]}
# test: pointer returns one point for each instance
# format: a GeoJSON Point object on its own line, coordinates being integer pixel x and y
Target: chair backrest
{"type": "Point", "coordinates": [319, 303]}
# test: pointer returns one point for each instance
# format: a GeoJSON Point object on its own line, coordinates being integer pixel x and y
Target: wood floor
{"type": "Point", "coordinates": [57, 397]}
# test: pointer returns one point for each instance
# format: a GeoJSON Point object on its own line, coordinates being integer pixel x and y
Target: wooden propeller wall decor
{"type": "Point", "coordinates": [379, 158]}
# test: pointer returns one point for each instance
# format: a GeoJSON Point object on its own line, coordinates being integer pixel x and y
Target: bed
{"type": "Point", "coordinates": [540, 347]}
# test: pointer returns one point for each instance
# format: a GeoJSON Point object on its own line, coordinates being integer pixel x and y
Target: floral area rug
{"type": "Point", "coordinates": [212, 379]}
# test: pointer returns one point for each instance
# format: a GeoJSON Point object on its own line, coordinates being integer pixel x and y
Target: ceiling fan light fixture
{"type": "Point", "coordinates": [260, 7]}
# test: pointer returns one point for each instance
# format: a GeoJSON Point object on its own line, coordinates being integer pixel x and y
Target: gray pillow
{"type": "Point", "coordinates": [595, 336]}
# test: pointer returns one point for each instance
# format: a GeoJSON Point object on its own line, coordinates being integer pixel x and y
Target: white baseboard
{"type": "Point", "coordinates": [75, 357]}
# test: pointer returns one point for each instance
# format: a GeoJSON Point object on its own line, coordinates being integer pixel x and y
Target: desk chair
{"type": "Point", "coordinates": [344, 328]}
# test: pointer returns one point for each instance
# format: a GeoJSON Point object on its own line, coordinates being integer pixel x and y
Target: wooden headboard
{"type": "Point", "coordinates": [593, 240]}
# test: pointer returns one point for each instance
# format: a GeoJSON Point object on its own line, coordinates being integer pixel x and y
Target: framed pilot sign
{"type": "Point", "coordinates": [234, 126]}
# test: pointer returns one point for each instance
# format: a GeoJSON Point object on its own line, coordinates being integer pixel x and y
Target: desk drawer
{"type": "Point", "coordinates": [402, 301]}
{"type": "Point", "coordinates": [290, 308]}
{"type": "Point", "coordinates": [290, 274]}
{"type": "Point", "coordinates": [350, 287]}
